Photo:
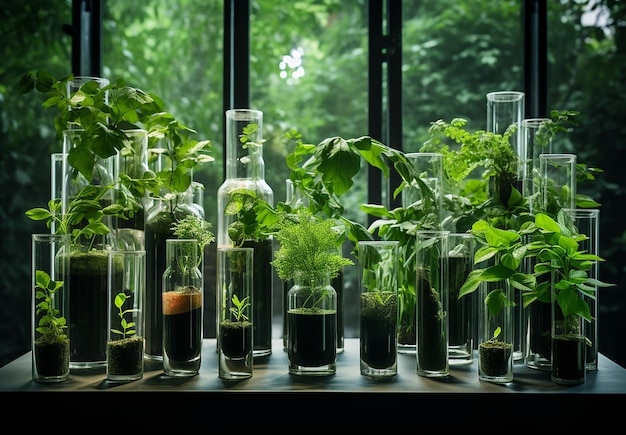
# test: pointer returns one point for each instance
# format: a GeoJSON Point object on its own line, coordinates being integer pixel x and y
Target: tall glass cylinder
{"type": "Point", "coordinates": [102, 175]}
{"type": "Point", "coordinates": [495, 346]}
{"type": "Point", "coordinates": [538, 327]}
{"type": "Point", "coordinates": [74, 85]}
{"type": "Point", "coordinates": [463, 311]}
{"type": "Point", "coordinates": [378, 307]}
{"type": "Point", "coordinates": [132, 164]}
{"type": "Point", "coordinates": [505, 112]}
{"type": "Point", "coordinates": [56, 182]}
{"type": "Point", "coordinates": [235, 315]}
{"type": "Point", "coordinates": [505, 109]}
{"type": "Point", "coordinates": [244, 184]}
{"type": "Point", "coordinates": [558, 175]}
{"type": "Point", "coordinates": [432, 289]}
{"type": "Point", "coordinates": [569, 347]}
{"type": "Point", "coordinates": [537, 141]}
{"type": "Point", "coordinates": [429, 166]}
{"type": "Point", "coordinates": [125, 344]}
{"type": "Point", "coordinates": [294, 199]}
{"type": "Point", "coordinates": [312, 321]}
{"type": "Point", "coordinates": [50, 308]}
{"type": "Point", "coordinates": [182, 309]}
{"type": "Point", "coordinates": [88, 305]}
{"type": "Point", "coordinates": [587, 222]}
{"type": "Point", "coordinates": [167, 209]}
{"type": "Point", "coordinates": [554, 187]}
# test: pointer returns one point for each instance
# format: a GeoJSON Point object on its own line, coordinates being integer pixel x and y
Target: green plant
{"type": "Point", "coordinates": [496, 333]}
{"type": "Point", "coordinates": [557, 247]}
{"type": "Point", "coordinates": [102, 124]}
{"type": "Point", "coordinates": [324, 173]}
{"type": "Point", "coordinates": [480, 148]}
{"type": "Point", "coordinates": [377, 279]}
{"type": "Point", "coordinates": [477, 162]}
{"type": "Point", "coordinates": [51, 326]}
{"type": "Point", "coordinates": [85, 207]}
{"type": "Point", "coordinates": [194, 227]}
{"type": "Point", "coordinates": [127, 327]}
{"type": "Point", "coordinates": [308, 245]}
{"type": "Point", "coordinates": [239, 308]}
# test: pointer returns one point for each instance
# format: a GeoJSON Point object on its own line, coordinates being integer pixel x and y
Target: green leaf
{"type": "Point", "coordinates": [338, 164]}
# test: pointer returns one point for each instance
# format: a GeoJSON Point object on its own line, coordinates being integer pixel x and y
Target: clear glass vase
{"type": "Point", "coordinates": [126, 289]}
{"type": "Point", "coordinates": [244, 183]}
{"type": "Point", "coordinates": [182, 308]}
{"type": "Point", "coordinates": [569, 347]}
{"type": "Point", "coordinates": [312, 323]}
{"type": "Point", "coordinates": [378, 307]}
{"type": "Point", "coordinates": [50, 308]}
{"type": "Point", "coordinates": [537, 141]}
{"type": "Point", "coordinates": [462, 312]}
{"type": "Point", "coordinates": [587, 222]}
{"type": "Point", "coordinates": [429, 166]}
{"type": "Point", "coordinates": [432, 303]}
{"type": "Point", "coordinates": [88, 303]}
{"type": "Point", "coordinates": [166, 210]}
{"type": "Point", "coordinates": [132, 163]}
{"type": "Point", "coordinates": [235, 316]}
{"type": "Point", "coordinates": [495, 341]}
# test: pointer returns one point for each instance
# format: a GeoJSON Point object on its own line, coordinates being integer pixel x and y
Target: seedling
{"type": "Point", "coordinates": [239, 308]}
{"type": "Point", "coordinates": [496, 334]}
{"type": "Point", "coordinates": [128, 328]}
{"type": "Point", "coordinates": [51, 325]}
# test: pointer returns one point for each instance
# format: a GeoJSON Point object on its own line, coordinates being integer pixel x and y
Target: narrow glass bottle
{"type": "Point", "coordinates": [245, 183]}
{"type": "Point", "coordinates": [234, 313]}
{"type": "Point", "coordinates": [166, 210]}
{"type": "Point", "coordinates": [50, 308]}
{"type": "Point", "coordinates": [432, 303]}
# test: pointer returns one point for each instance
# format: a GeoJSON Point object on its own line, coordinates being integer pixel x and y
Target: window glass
{"type": "Point", "coordinates": [454, 53]}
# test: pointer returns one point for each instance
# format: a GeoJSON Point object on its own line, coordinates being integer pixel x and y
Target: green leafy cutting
{"type": "Point", "coordinates": [51, 326]}
{"type": "Point", "coordinates": [127, 327]}
{"type": "Point", "coordinates": [100, 126]}
{"type": "Point", "coordinates": [240, 307]}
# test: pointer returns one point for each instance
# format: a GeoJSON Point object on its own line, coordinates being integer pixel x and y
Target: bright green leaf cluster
{"type": "Point", "coordinates": [127, 327]}
{"type": "Point", "coordinates": [240, 307]}
{"type": "Point", "coordinates": [308, 245]}
{"type": "Point", "coordinates": [51, 326]}
{"type": "Point", "coordinates": [99, 118]}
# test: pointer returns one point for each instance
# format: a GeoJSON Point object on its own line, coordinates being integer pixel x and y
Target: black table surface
{"type": "Point", "coordinates": [88, 391]}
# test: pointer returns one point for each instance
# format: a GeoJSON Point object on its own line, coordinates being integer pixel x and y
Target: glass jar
{"type": "Point", "coordinates": [432, 303]}
{"type": "Point", "coordinates": [126, 288]}
{"type": "Point", "coordinates": [182, 309]}
{"type": "Point", "coordinates": [234, 313]}
{"type": "Point", "coordinates": [166, 210]}
{"type": "Point", "coordinates": [50, 308]}
{"type": "Point", "coordinates": [495, 341]}
{"type": "Point", "coordinates": [244, 184]}
{"type": "Point", "coordinates": [462, 312]}
{"type": "Point", "coordinates": [312, 325]}
{"type": "Point", "coordinates": [378, 307]}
